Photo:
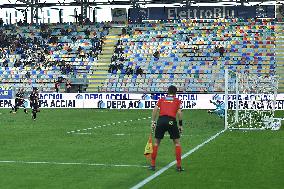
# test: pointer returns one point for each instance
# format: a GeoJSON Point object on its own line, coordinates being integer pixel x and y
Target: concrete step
{"type": "Point", "coordinates": [110, 43]}
{"type": "Point", "coordinates": [109, 47]}
{"type": "Point", "coordinates": [105, 56]}
{"type": "Point", "coordinates": [96, 76]}
{"type": "Point", "coordinates": [97, 82]}
{"type": "Point", "coordinates": [100, 74]}
{"type": "Point", "coordinates": [107, 50]}
{"type": "Point", "coordinates": [94, 89]}
{"type": "Point", "coordinates": [112, 36]}
{"type": "Point", "coordinates": [104, 69]}
{"type": "Point", "coordinates": [104, 59]}
{"type": "Point", "coordinates": [110, 40]}
{"type": "Point", "coordinates": [103, 62]}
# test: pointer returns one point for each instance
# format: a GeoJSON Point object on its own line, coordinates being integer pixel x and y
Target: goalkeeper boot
{"type": "Point", "coordinates": [152, 168]}
{"type": "Point", "coordinates": [180, 169]}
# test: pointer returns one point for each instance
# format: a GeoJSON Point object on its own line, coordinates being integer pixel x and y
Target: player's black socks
{"type": "Point", "coordinates": [25, 110]}
{"type": "Point", "coordinates": [34, 115]}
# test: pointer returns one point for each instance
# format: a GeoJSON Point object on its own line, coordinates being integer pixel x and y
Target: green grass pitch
{"type": "Point", "coordinates": [235, 159]}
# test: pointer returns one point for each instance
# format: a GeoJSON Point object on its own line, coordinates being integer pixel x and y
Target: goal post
{"type": "Point", "coordinates": [250, 101]}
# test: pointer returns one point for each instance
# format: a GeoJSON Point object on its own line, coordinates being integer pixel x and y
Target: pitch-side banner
{"type": "Point", "coordinates": [148, 101]}
{"type": "Point", "coordinates": [6, 92]}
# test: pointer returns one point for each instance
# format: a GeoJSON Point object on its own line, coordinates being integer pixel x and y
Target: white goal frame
{"type": "Point", "coordinates": [250, 114]}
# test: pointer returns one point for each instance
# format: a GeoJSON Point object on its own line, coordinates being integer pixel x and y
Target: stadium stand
{"type": "Point", "coordinates": [190, 54]}
{"type": "Point", "coordinates": [38, 56]}
{"type": "Point", "coordinates": [280, 53]}
{"type": "Point", "coordinates": [147, 57]}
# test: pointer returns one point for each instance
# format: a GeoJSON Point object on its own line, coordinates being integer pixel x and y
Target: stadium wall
{"type": "Point", "coordinates": [145, 101]}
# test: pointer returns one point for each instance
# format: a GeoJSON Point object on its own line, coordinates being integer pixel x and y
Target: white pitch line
{"type": "Point", "coordinates": [82, 133]}
{"type": "Point", "coordinates": [120, 134]}
{"type": "Point", "coordinates": [106, 125]}
{"type": "Point", "coordinates": [71, 163]}
{"type": "Point", "coordinates": [158, 173]}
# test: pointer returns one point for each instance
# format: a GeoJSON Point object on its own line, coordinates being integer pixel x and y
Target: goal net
{"type": "Point", "coordinates": [251, 101]}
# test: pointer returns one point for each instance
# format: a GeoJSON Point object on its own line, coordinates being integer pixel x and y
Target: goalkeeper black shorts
{"type": "Point", "coordinates": [164, 124]}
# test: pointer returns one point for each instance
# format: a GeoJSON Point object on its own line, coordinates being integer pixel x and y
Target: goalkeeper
{"type": "Point", "coordinates": [220, 108]}
{"type": "Point", "coordinates": [169, 106]}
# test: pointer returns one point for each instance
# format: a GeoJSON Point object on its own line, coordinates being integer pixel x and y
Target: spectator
{"type": "Point", "coordinates": [74, 38]}
{"type": "Point", "coordinates": [129, 70]}
{"type": "Point", "coordinates": [114, 57]}
{"type": "Point", "coordinates": [120, 66]}
{"type": "Point", "coordinates": [87, 32]}
{"type": "Point", "coordinates": [68, 86]}
{"type": "Point", "coordinates": [28, 75]}
{"type": "Point", "coordinates": [139, 71]}
{"type": "Point", "coordinates": [216, 49]}
{"type": "Point", "coordinates": [1, 22]}
{"type": "Point", "coordinates": [112, 67]}
{"type": "Point", "coordinates": [5, 63]}
{"type": "Point", "coordinates": [221, 51]}
{"type": "Point", "coordinates": [57, 86]}
{"type": "Point", "coordinates": [123, 31]}
{"type": "Point", "coordinates": [195, 49]}
{"type": "Point", "coordinates": [188, 38]}
{"type": "Point", "coordinates": [156, 54]}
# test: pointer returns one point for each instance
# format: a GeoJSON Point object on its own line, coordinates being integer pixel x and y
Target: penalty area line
{"type": "Point", "coordinates": [70, 163]}
{"type": "Point", "coordinates": [158, 173]}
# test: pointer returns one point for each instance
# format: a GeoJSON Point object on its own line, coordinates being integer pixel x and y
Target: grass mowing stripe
{"type": "Point", "coordinates": [158, 173]}
{"type": "Point", "coordinates": [71, 163]}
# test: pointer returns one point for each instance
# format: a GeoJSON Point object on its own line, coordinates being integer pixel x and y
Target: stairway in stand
{"type": "Point", "coordinates": [100, 73]}
{"type": "Point", "coordinates": [280, 55]}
